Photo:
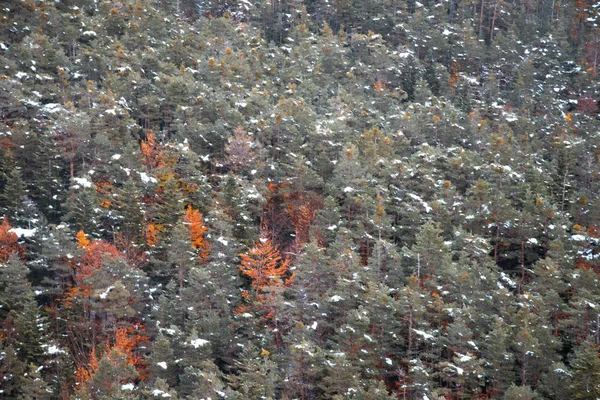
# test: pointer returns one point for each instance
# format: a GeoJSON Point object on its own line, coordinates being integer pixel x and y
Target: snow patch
{"type": "Point", "coordinates": [199, 343]}
{"type": "Point", "coordinates": [83, 182]}
{"type": "Point", "coordinates": [52, 108]}
{"type": "Point", "coordinates": [21, 232]}
{"type": "Point", "coordinates": [146, 178]}
{"type": "Point", "coordinates": [424, 334]}
{"type": "Point", "coordinates": [54, 350]}
{"type": "Point", "coordinates": [162, 364]}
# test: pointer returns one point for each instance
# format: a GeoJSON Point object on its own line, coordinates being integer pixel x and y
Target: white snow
{"type": "Point", "coordinates": [578, 237]}
{"type": "Point", "coordinates": [592, 305]}
{"type": "Point", "coordinates": [424, 334]}
{"type": "Point", "coordinates": [506, 279]}
{"type": "Point", "coordinates": [52, 108]}
{"type": "Point", "coordinates": [459, 370]}
{"type": "Point", "coordinates": [54, 350]}
{"type": "Point", "coordinates": [145, 178]}
{"type": "Point", "coordinates": [426, 206]}
{"type": "Point", "coordinates": [198, 343]}
{"type": "Point", "coordinates": [106, 292]}
{"type": "Point", "coordinates": [21, 232]}
{"type": "Point", "coordinates": [83, 182]}
{"type": "Point", "coordinates": [158, 392]}
{"type": "Point", "coordinates": [562, 371]}
{"type": "Point", "coordinates": [162, 364]}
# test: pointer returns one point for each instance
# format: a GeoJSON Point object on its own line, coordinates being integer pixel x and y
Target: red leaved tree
{"type": "Point", "coordinates": [8, 241]}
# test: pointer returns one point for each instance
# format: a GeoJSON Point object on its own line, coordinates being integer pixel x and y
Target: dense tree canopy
{"type": "Point", "coordinates": [299, 199]}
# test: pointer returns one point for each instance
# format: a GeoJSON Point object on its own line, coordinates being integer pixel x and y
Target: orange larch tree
{"type": "Point", "coordinates": [150, 234]}
{"type": "Point", "coordinates": [197, 229]}
{"type": "Point", "coordinates": [152, 153]}
{"type": "Point", "coordinates": [125, 344]}
{"type": "Point", "coordinates": [82, 240]}
{"type": "Point", "coordinates": [264, 265]}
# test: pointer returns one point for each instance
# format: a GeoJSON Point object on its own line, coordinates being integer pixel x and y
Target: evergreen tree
{"type": "Point", "coordinates": [585, 367]}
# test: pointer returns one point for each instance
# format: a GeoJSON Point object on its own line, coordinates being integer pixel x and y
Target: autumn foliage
{"type": "Point", "coordinates": [151, 152]}
{"type": "Point", "coordinates": [8, 241]}
{"type": "Point", "coordinates": [94, 253]}
{"type": "Point", "coordinates": [197, 231]}
{"type": "Point", "coordinates": [82, 240]}
{"type": "Point", "coordinates": [125, 343]}
{"type": "Point", "coordinates": [150, 234]}
{"type": "Point", "coordinates": [264, 265]}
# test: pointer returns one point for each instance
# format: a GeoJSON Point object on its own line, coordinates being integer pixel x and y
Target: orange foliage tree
{"type": "Point", "coordinates": [197, 229]}
{"type": "Point", "coordinates": [152, 153]}
{"type": "Point", "coordinates": [82, 240]}
{"type": "Point", "coordinates": [93, 256]}
{"type": "Point", "coordinates": [150, 234]}
{"type": "Point", "coordinates": [264, 265]}
{"type": "Point", "coordinates": [125, 343]}
{"type": "Point", "coordinates": [8, 241]}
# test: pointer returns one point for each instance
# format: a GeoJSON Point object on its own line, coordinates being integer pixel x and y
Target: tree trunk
{"type": "Point", "coordinates": [493, 21]}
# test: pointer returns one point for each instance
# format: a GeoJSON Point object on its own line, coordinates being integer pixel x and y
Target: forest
{"type": "Point", "coordinates": [299, 199]}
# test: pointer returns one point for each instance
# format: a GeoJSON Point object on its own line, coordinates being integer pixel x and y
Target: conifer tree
{"type": "Point", "coordinates": [585, 369]}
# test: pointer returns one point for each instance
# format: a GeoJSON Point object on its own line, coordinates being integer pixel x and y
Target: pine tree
{"type": "Point", "coordinates": [257, 374]}
{"type": "Point", "coordinates": [13, 194]}
{"type": "Point", "coordinates": [22, 323]}
{"type": "Point", "coordinates": [161, 363]}
{"type": "Point", "coordinates": [585, 369]}
{"type": "Point", "coordinates": [515, 392]}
